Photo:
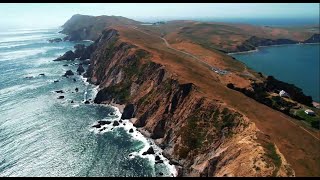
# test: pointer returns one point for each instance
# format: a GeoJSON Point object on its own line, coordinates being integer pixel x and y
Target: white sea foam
{"type": "Point", "coordinates": [19, 88]}
{"type": "Point", "coordinates": [75, 105]}
{"type": "Point", "coordinates": [24, 53]}
{"type": "Point", "coordinates": [136, 135]}
{"type": "Point", "coordinates": [11, 45]}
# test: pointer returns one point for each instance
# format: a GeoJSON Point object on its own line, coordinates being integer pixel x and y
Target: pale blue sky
{"type": "Point", "coordinates": [55, 14]}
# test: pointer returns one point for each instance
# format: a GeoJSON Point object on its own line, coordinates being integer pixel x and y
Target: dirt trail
{"type": "Point", "coordinates": [170, 47]}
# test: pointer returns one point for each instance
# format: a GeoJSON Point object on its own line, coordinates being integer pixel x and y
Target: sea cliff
{"type": "Point", "coordinates": [201, 136]}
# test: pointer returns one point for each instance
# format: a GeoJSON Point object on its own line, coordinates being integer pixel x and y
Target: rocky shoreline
{"type": "Point", "coordinates": [72, 56]}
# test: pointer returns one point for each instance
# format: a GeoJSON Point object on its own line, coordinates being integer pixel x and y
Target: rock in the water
{"type": "Point", "coordinates": [160, 161]}
{"type": "Point", "coordinates": [60, 97]}
{"type": "Point", "coordinates": [97, 126]}
{"type": "Point", "coordinates": [69, 55]}
{"type": "Point", "coordinates": [76, 89]}
{"type": "Point", "coordinates": [72, 101]}
{"type": "Point", "coordinates": [115, 123]}
{"type": "Point", "coordinates": [74, 79]}
{"type": "Point", "coordinates": [111, 128]}
{"type": "Point", "coordinates": [65, 65]}
{"type": "Point", "coordinates": [68, 73]}
{"type": "Point", "coordinates": [131, 130]}
{"type": "Point", "coordinates": [59, 91]}
{"type": "Point", "coordinates": [157, 158]}
{"type": "Point", "coordinates": [55, 40]}
{"type": "Point", "coordinates": [42, 74]}
{"type": "Point", "coordinates": [104, 122]}
{"type": "Point", "coordinates": [55, 81]}
{"type": "Point", "coordinates": [149, 151]}
{"type": "Point", "coordinates": [160, 173]}
{"type": "Point", "coordinates": [29, 77]}
{"type": "Point", "coordinates": [87, 102]}
{"type": "Point", "coordinates": [80, 69]}
{"type": "Point", "coordinates": [120, 121]}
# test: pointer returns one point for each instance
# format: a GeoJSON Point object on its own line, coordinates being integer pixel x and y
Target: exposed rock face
{"type": "Point", "coordinates": [80, 69]}
{"type": "Point", "coordinates": [104, 122]}
{"type": "Point", "coordinates": [149, 151]}
{"type": "Point", "coordinates": [79, 50]}
{"type": "Point", "coordinates": [115, 123]}
{"type": "Point", "coordinates": [69, 55]}
{"type": "Point", "coordinates": [68, 73]}
{"type": "Point", "coordinates": [203, 135]}
{"type": "Point", "coordinates": [128, 111]}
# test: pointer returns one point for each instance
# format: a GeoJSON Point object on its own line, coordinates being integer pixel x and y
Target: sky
{"type": "Point", "coordinates": [55, 14]}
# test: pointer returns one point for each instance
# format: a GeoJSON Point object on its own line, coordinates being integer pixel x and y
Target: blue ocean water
{"type": "Point", "coordinates": [41, 135]}
{"type": "Point", "coordinates": [295, 64]}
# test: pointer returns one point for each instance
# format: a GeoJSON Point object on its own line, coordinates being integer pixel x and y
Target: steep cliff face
{"type": "Point", "coordinates": [202, 136]}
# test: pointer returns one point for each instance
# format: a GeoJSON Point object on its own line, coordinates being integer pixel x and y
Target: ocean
{"type": "Point", "coordinates": [295, 64]}
{"type": "Point", "coordinates": [41, 135]}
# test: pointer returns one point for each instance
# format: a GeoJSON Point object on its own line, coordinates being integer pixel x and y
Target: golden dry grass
{"type": "Point", "coordinates": [299, 148]}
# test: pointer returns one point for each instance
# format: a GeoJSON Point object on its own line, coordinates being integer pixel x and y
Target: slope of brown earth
{"type": "Point", "coordinates": [204, 135]}
{"type": "Point", "coordinates": [300, 148]}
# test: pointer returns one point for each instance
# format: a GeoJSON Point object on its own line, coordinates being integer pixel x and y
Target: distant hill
{"type": "Point", "coordinates": [228, 37]}
{"type": "Point", "coordinates": [84, 27]}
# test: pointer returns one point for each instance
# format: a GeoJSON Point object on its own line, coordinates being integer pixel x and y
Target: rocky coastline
{"type": "Point", "coordinates": [167, 111]}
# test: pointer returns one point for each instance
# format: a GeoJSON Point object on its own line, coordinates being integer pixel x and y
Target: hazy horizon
{"type": "Point", "coordinates": [47, 15]}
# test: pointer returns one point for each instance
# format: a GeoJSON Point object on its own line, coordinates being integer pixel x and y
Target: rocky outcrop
{"type": "Point", "coordinates": [69, 55]}
{"type": "Point", "coordinates": [203, 135]}
{"type": "Point", "coordinates": [68, 73]}
{"type": "Point", "coordinates": [82, 52]}
{"type": "Point", "coordinates": [80, 69]}
{"type": "Point", "coordinates": [128, 112]}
